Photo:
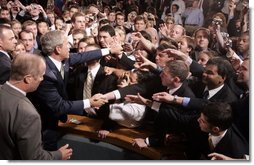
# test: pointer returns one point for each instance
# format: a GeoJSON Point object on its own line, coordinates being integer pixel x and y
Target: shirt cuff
{"type": "Point", "coordinates": [156, 106]}
{"type": "Point", "coordinates": [147, 141]}
{"type": "Point", "coordinates": [117, 94]}
{"type": "Point", "coordinates": [186, 101]}
{"type": "Point", "coordinates": [188, 61]}
{"type": "Point", "coordinates": [105, 51]}
{"type": "Point", "coordinates": [86, 103]}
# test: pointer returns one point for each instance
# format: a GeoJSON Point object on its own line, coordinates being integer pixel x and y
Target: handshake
{"type": "Point", "coordinates": [98, 100]}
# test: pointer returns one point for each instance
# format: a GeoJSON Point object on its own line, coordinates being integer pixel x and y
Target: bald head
{"type": "Point", "coordinates": [26, 64]}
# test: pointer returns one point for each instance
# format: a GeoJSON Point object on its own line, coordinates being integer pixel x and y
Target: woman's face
{"type": "Point", "coordinates": [20, 48]}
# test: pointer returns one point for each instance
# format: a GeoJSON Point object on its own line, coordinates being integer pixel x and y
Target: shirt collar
{"type": "Point", "coordinates": [94, 70]}
{"type": "Point", "coordinates": [58, 64]}
{"type": "Point", "coordinates": [12, 86]}
{"type": "Point", "coordinates": [217, 139]}
{"type": "Point", "coordinates": [171, 91]}
{"type": "Point", "coordinates": [212, 92]}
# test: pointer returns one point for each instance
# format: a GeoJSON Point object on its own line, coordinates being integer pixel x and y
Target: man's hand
{"type": "Point", "coordinates": [138, 99]}
{"type": "Point", "coordinates": [97, 101]}
{"type": "Point", "coordinates": [115, 48]}
{"type": "Point", "coordinates": [217, 156]}
{"type": "Point", "coordinates": [103, 133]}
{"type": "Point", "coordinates": [163, 97]}
{"type": "Point", "coordinates": [139, 142]}
{"type": "Point", "coordinates": [66, 152]}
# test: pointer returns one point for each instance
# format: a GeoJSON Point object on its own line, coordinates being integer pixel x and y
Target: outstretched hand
{"type": "Point", "coordinates": [163, 97]}
{"type": "Point", "coordinates": [98, 100]}
{"type": "Point", "coordinates": [138, 99]}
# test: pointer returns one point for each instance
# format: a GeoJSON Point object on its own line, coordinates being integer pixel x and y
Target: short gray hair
{"type": "Point", "coordinates": [51, 40]}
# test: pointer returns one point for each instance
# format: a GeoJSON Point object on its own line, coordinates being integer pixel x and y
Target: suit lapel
{"type": "Point", "coordinates": [53, 69]}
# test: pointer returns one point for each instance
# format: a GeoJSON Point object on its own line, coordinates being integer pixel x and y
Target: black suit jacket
{"type": "Point", "coordinates": [241, 115]}
{"type": "Point", "coordinates": [102, 83]}
{"type": "Point", "coordinates": [233, 144]}
{"type": "Point", "coordinates": [223, 95]}
{"type": "Point", "coordinates": [165, 122]}
{"type": "Point", "coordinates": [51, 98]}
{"type": "Point", "coordinates": [5, 68]}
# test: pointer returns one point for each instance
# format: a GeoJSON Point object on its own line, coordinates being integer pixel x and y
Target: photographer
{"type": "Point", "coordinates": [32, 12]}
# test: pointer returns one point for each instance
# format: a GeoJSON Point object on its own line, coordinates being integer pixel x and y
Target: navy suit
{"type": "Point", "coordinates": [51, 98]}
{"type": "Point", "coordinates": [5, 68]}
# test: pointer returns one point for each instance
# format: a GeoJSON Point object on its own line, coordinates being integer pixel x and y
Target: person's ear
{"type": "Point", "coordinates": [28, 79]}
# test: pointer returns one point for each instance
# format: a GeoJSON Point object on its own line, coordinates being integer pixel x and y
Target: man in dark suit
{"type": "Point", "coordinates": [101, 82]}
{"type": "Point", "coordinates": [7, 44]}
{"type": "Point", "coordinates": [213, 78]}
{"type": "Point", "coordinates": [173, 77]}
{"type": "Point", "coordinates": [216, 119]}
{"type": "Point", "coordinates": [240, 107]}
{"type": "Point", "coordinates": [51, 98]}
{"type": "Point", "coordinates": [20, 123]}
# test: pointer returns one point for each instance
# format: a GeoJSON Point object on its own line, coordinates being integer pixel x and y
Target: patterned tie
{"type": "Point", "coordinates": [88, 86]}
{"type": "Point", "coordinates": [62, 70]}
{"type": "Point", "coordinates": [206, 94]}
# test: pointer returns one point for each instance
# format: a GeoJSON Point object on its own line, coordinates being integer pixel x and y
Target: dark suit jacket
{"type": "Point", "coordinates": [51, 98]}
{"type": "Point", "coordinates": [20, 128]}
{"type": "Point", "coordinates": [5, 68]}
{"type": "Point", "coordinates": [102, 83]}
{"type": "Point", "coordinates": [233, 144]}
{"type": "Point", "coordinates": [241, 115]}
{"type": "Point", "coordinates": [164, 121]}
{"type": "Point", "coordinates": [224, 95]}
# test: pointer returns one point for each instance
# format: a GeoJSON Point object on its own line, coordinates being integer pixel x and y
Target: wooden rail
{"type": "Point", "coordinates": [121, 137]}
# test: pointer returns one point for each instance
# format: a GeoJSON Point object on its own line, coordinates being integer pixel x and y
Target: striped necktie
{"type": "Point", "coordinates": [88, 86]}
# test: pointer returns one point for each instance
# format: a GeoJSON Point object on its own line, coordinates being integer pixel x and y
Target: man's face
{"type": "Point", "coordinates": [203, 124]}
{"type": "Point", "coordinates": [201, 40]}
{"type": "Point", "coordinates": [211, 77]}
{"type": "Point", "coordinates": [243, 43]}
{"type": "Point", "coordinates": [28, 40]}
{"type": "Point", "coordinates": [183, 46]}
{"type": "Point", "coordinates": [162, 58]}
{"type": "Point", "coordinates": [8, 41]}
{"type": "Point", "coordinates": [76, 38]}
{"type": "Point", "coordinates": [80, 23]}
{"type": "Point", "coordinates": [35, 10]}
{"type": "Point", "coordinates": [140, 25]}
{"type": "Point", "coordinates": [244, 73]}
{"type": "Point", "coordinates": [112, 17]}
{"type": "Point", "coordinates": [5, 14]}
{"type": "Point", "coordinates": [167, 79]}
{"type": "Point", "coordinates": [105, 39]}
{"type": "Point", "coordinates": [64, 49]}
{"type": "Point", "coordinates": [32, 28]}
{"type": "Point", "coordinates": [120, 20]}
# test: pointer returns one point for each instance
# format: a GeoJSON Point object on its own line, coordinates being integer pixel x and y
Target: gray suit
{"type": "Point", "coordinates": [20, 128]}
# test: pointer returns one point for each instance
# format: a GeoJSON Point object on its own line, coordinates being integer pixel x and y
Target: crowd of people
{"type": "Point", "coordinates": [179, 67]}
